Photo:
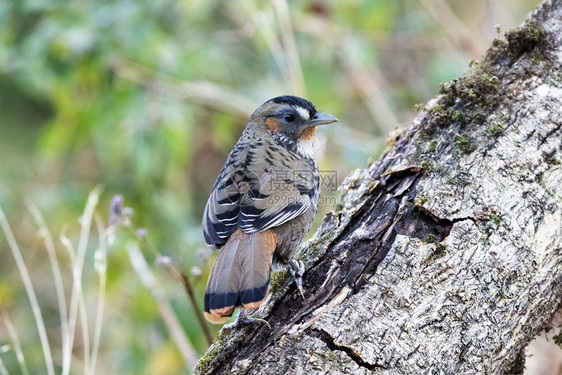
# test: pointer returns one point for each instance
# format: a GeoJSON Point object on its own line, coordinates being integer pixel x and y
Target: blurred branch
{"type": "Point", "coordinates": [22, 268]}
{"type": "Point", "coordinates": [245, 31]}
{"type": "Point", "coordinates": [204, 93]}
{"type": "Point", "coordinates": [120, 215]}
{"type": "Point", "coordinates": [292, 54]}
{"type": "Point", "coordinates": [263, 22]}
{"type": "Point", "coordinates": [371, 84]}
{"type": "Point", "coordinates": [279, 41]}
{"type": "Point", "coordinates": [184, 280]}
{"type": "Point", "coordinates": [174, 327]}
{"type": "Point", "coordinates": [454, 28]}
{"type": "Point", "coordinates": [182, 277]}
{"type": "Point", "coordinates": [410, 42]}
{"type": "Point", "coordinates": [3, 369]}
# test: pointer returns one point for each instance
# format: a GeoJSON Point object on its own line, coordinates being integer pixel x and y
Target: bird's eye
{"type": "Point", "coordinates": [289, 118]}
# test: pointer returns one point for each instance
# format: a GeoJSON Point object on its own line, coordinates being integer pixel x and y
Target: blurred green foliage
{"type": "Point", "coordinates": [146, 98]}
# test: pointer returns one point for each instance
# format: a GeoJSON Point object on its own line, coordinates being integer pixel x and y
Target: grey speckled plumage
{"type": "Point", "coordinates": [268, 191]}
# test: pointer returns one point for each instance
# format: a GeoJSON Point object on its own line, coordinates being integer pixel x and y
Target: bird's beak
{"type": "Point", "coordinates": [321, 119]}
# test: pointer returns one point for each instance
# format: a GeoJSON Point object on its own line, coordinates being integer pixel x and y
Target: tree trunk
{"type": "Point", "coordinates": [446, 255]}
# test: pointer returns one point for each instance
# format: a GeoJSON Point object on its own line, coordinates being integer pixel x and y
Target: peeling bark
{"type": "Point", "coordinates": [446, 255]}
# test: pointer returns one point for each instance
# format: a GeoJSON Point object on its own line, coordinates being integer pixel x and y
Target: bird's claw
{"type": "Point", "coordinates": [297, 271]}
{"type": "Point", "coordinates": [242, 318]}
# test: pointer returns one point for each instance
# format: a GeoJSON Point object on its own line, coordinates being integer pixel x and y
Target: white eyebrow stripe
{"type": "Point", "coordinates": [303, 112]}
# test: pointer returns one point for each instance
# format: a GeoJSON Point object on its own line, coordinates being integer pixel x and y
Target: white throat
{"type": "Point", "coordinates": [306, 148]}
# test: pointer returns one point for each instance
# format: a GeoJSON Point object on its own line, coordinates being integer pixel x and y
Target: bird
{"type": "Point", "coordinates": [262, 205]}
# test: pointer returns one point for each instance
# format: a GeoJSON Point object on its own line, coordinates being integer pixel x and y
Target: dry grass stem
{"type": "Point", "coordinates": [16, 342]}
{"type": "Point", "coordinates": [77, 268]}
{"type": "Point", "coordinates": [55, 268]}
{"type": "Point", "coordinates": [101, 268]}
{"type": "Point", "coordinates": [32, 297]}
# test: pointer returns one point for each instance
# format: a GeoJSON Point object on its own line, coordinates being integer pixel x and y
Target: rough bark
{"type": "Point", "coordinates": [446, 255]}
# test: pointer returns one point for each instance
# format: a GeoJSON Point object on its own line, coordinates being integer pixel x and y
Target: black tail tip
{"type": "Point", "coordinates": [220, 306]}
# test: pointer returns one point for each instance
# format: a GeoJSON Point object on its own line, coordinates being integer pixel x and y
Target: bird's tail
{"type": "Point", "coordinates": [240, 275]}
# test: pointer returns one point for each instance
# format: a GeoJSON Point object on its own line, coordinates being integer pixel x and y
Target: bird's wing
{"type": "Point", "coordinates": [255, 198]}
{"type": "Point", "coordinates": [274, 199]}
{"type": "Point", "coordinates": [220, 219]}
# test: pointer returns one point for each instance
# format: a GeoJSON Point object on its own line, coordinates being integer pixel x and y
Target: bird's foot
{"type": "Point", "coordinates": [242, 318]}
{"type": "Point", "coordinates": [297, 271]}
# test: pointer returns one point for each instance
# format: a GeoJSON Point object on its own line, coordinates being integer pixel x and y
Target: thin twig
{"type": "Point", "coordinates": [203, 266]}
{"type": "Point", "coordinates": [189, 290]}
{"type": "Point", "coordinates": [174, 327]}
{"type": "Point", "coordinates": [183, 279]}
{"type": "Point", "coordinates": [191, 295]}
{"type": "Point", "coordinates": [22, 268]}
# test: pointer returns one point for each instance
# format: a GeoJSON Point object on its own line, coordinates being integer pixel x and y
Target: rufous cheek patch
{"type": "Point", "coordinates": [273, 124]}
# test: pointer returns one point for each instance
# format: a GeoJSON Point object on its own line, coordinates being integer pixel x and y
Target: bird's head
{"type": "Point", "coordinates": [290, 120]}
